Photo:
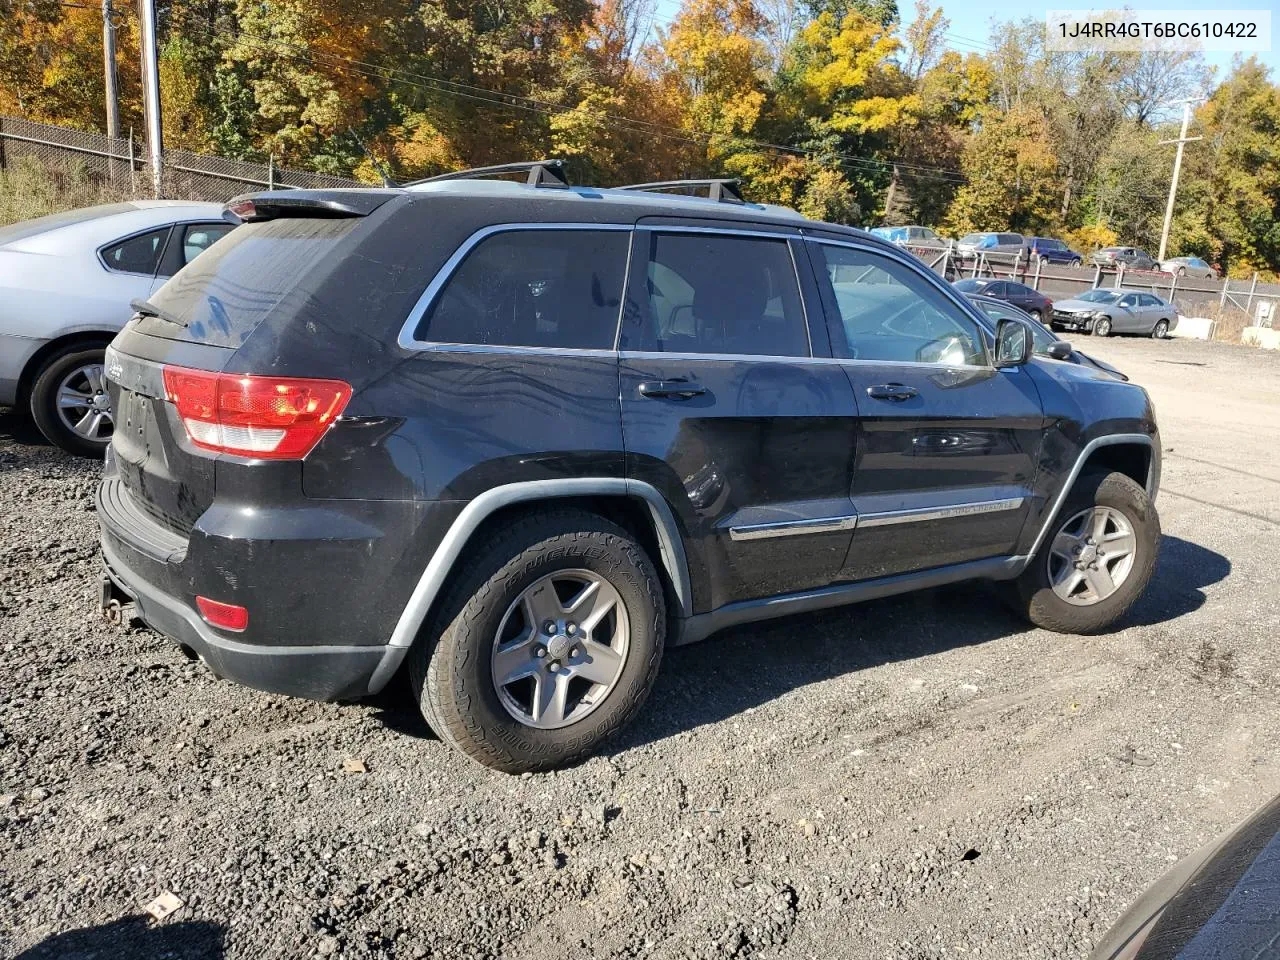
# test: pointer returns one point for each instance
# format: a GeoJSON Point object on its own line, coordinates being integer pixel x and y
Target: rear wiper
{"type": "Point", "coordinates": [148, 309]}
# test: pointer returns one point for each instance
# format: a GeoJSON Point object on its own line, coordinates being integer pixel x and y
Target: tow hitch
{"type": "Point", "coordinates": [114, 604]}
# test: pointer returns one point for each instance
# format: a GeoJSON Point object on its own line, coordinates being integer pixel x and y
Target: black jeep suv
{"type": "Point", "coordinates": [518, 437]}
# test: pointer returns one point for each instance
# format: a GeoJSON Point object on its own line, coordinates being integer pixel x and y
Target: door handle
{"type": "Point", "coordinates": [896, 392]}
{"type": "Point", "coordinates": [671, 389]}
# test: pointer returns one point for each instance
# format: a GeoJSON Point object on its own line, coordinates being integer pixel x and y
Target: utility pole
{"type": "Point", "coordinates": [1182, 140]}
{"type": "Point", "coordinates": [151, 94]}
{"type": "Point", "coordinates": [109, 71]}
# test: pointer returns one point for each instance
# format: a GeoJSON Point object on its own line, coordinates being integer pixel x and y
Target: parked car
{"type": "Point", "coordinates": [1104, 312]}
{"type": "Point", "coordinates": [1219, 901]}
{"type": "Point", "coordinates": [520, 440]}
{"type": "Point", "coordinates": [1046, 343]}
{"type": "Point", "coordinates": [66, 281]}
{"type": "Point", "coordinates": [1132, 258]}
{"type": "Point", "coordinates": [1188, 267]}
{"type": "Point", "coordinates": [1020, 295]}
{"type": "Point", "coordinates": [971, 245]}
{"type": "Point", "coordinates": [905, 236]}
{"type": "Point", "coordinates": [1052, 251]}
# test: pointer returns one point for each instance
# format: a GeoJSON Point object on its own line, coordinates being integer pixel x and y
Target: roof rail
{"type": "Point", "coordinates": [721, 190]}
{"type": "Point", "coordinates": [542, 173]}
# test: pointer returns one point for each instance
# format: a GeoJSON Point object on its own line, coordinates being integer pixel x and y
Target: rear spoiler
{"type": "Point", "coordinates": [316, 204]}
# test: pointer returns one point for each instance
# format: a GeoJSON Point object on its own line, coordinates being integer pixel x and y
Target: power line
{"type": "Point", "coordinates": [549, 108]}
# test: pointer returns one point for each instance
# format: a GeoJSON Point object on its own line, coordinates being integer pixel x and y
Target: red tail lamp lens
{"type": "Point", "coordinates": [276, 418]}
{"type": "Point", "coordinates": [225, 616]}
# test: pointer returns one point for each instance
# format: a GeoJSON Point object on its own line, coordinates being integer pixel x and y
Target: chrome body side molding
{"type": "Point", "coordinates": [790, 528]}
{"type": "Point", "coordinates": [890, 517]}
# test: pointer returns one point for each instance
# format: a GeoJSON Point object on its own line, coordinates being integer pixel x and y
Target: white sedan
{"type": "Point", "coordinates": [66, 281]}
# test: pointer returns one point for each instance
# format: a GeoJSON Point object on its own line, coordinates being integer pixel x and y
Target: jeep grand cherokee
{"type": "Point", "coordinates": [520, 437]}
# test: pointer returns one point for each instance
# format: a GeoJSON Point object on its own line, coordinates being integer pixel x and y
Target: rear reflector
{"type": "Point", "coordinates": [274, 418]}
{"type": "Point", "coordinates": [225, 616]}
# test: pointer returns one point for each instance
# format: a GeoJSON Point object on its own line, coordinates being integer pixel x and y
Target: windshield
{"type": "Point", "coordinates": [970, 285]}
{"type": "Point", "coordinates": [1098, 296]}
{"type": "Point", "coordinates": [972, 238]}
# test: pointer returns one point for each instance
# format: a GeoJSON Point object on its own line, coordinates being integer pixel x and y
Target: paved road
{"type": "Point", "coordinates": [924, 777]}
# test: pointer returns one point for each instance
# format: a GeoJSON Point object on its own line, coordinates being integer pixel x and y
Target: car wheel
{"type": "Point", "coordinates": [1102, 327]}
{"type": "Point", "coordinates": [1077, 262]}
{"type": "Point", "coordinates": [70, 403]}
{"type": "Point", "coordinates": [1036, 315]}
{"type": "Point", "coordinates": [1097, 559]}
{"type": "Point", "coordinates": [546, 644]}
{"type": "Point", "coordinates": [1161, 330]}
{"type": "Point", "coordinates": [1182, 271]}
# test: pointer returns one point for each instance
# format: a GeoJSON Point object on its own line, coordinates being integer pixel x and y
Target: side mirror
{"type": "Point", "coordinates": [1059, 350]}
{"type": "Point", "coordinates": [1013, 343]}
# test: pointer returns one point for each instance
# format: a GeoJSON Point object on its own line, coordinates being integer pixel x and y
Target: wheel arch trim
{"type": "Point", "coordinates": [1135, 439]}
{"type": "Point", "coordinates": [459, 534]}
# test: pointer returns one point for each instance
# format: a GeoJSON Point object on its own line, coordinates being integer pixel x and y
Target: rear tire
{"type": "Point", "coordinates": [488, 615]}
{"type": "Point", "coordinates": [72, 371]}
{"type": "Point", "coordinates": [1160, 330]}
{"type": "Point", "coordinates": [1132, 521]}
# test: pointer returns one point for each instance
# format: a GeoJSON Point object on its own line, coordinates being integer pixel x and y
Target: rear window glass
{"type": "Point", "coordinates": [534, 288]}
{"type": "Point", "coordinates": [225, 293]}
{"type": "Point", "coordinates": [30, 228]}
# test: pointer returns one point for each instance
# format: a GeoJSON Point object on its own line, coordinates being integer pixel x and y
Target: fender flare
{"type": "Point", "coordinates": [454, 543]}
{"type": "Point", "coordinates": [1152, 484]}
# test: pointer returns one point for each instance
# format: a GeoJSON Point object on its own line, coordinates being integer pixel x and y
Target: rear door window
{"type": "Point", "coordinates": [533, 288]}
{"type": "Point", "coordinates": [199, 237]}
{"type": "Point", "coordinates": [714, 294]}
{"type": "Point", "coordinates": [221, 297]}
{"type": "Point", "coordinates": [138, 254]}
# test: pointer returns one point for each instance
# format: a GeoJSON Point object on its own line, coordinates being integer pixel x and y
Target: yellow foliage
{"type": "Point", "coordinates": [1090, 237]}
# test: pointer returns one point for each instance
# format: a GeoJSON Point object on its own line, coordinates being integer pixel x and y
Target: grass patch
{"type": "Point", "coordinates": [30, 188]}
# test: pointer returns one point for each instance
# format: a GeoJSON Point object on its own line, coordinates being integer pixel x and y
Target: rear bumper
{"type": "Point", "coordinates": [313, 672]}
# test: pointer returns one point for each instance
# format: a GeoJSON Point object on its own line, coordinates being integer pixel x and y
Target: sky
{"type": "Point", "coordinates": [972, 20]}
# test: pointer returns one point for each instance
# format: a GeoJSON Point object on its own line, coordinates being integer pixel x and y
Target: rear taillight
{"type": "Point", "coordinates": [276, 418]}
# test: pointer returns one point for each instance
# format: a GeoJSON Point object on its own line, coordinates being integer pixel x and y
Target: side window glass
{"type": "Point", "coordinates": [888, 312]}
{"type": "Point", "coordinates": [140, 254]}
{"type": "Point", "coordinates": [718, 294]}
{"type": "Point", "coordinates": [533, 288]}
{"type": "Point", "coordinates": [997, 289]}
{"type": "Point", "coordinates": [199, 237]}
{"type": "Point", "coordinates": [1149, 301]}
{"type": "Point", "coordinates": [1129, 301]}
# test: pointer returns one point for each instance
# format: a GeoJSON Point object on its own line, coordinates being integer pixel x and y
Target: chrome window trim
{"type": "Point", "coordinates": [975, 508]}
{"type": "Point", "coordinates": [790, 528]}
{"type": "Point", "coordinates": [406, 341]}
{"type": "Point", "coordinates": [732, 231]}
{"type": "Point", "coordinates": [967, 309]}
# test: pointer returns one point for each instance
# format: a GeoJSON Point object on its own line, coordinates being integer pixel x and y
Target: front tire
{"type": "Point", "coordinates": [69, 400]}
{"type": "Point", "coordinates": [1101, 327]}
{"type": "Point", "coordinates": [1097, 559]}
{"type": "Point", "coordinates": [1036, 315]}
{"type": "Point", "coordinates": [547, 643]}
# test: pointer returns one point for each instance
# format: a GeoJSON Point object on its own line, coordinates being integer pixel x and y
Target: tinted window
{"type": "Point", "coordinates": [1147, 300]}
{"type": "Point", "coordinates": [1129, 301]}
{"type": "Point", "coordinates": [1019, 290]}
{"type": "Point", "coordinates": [1010, 238]}
{"type": "Point", "coordinates": [534, 288]}
{"type": "Point", "coordinates": [225, 294]}
{"type": "Point", "coordinates": [140, 254]}
{"type": "Point", "coordinates": [889, 312]}
{"type": "Point", "coordinates": [997, 289]}
{"type": "Point", "coordinates": [200, 236]}
{"type": "Point", "coordinates": [712, 294]}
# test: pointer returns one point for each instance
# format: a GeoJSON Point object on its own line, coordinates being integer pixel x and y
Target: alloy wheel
{"type": "Point", "coordinates": [84, 405]}
{"type": "Point", "coordinates": [1092, 555]}
{"type": "Point", "coordinates": [560, 649]}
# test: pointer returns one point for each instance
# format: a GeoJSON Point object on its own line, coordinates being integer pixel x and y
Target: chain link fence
{"type": "Point", "coordinates": [119, 168]}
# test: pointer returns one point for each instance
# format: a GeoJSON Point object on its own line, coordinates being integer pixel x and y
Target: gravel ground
{"type": "Point", "coordinates": [918, 778]}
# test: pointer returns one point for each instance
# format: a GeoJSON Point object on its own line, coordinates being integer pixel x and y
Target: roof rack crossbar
{"type": "Point", "coordinates": [542, 173]}
{"type": "Point", "coordinates": [723, 190]}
